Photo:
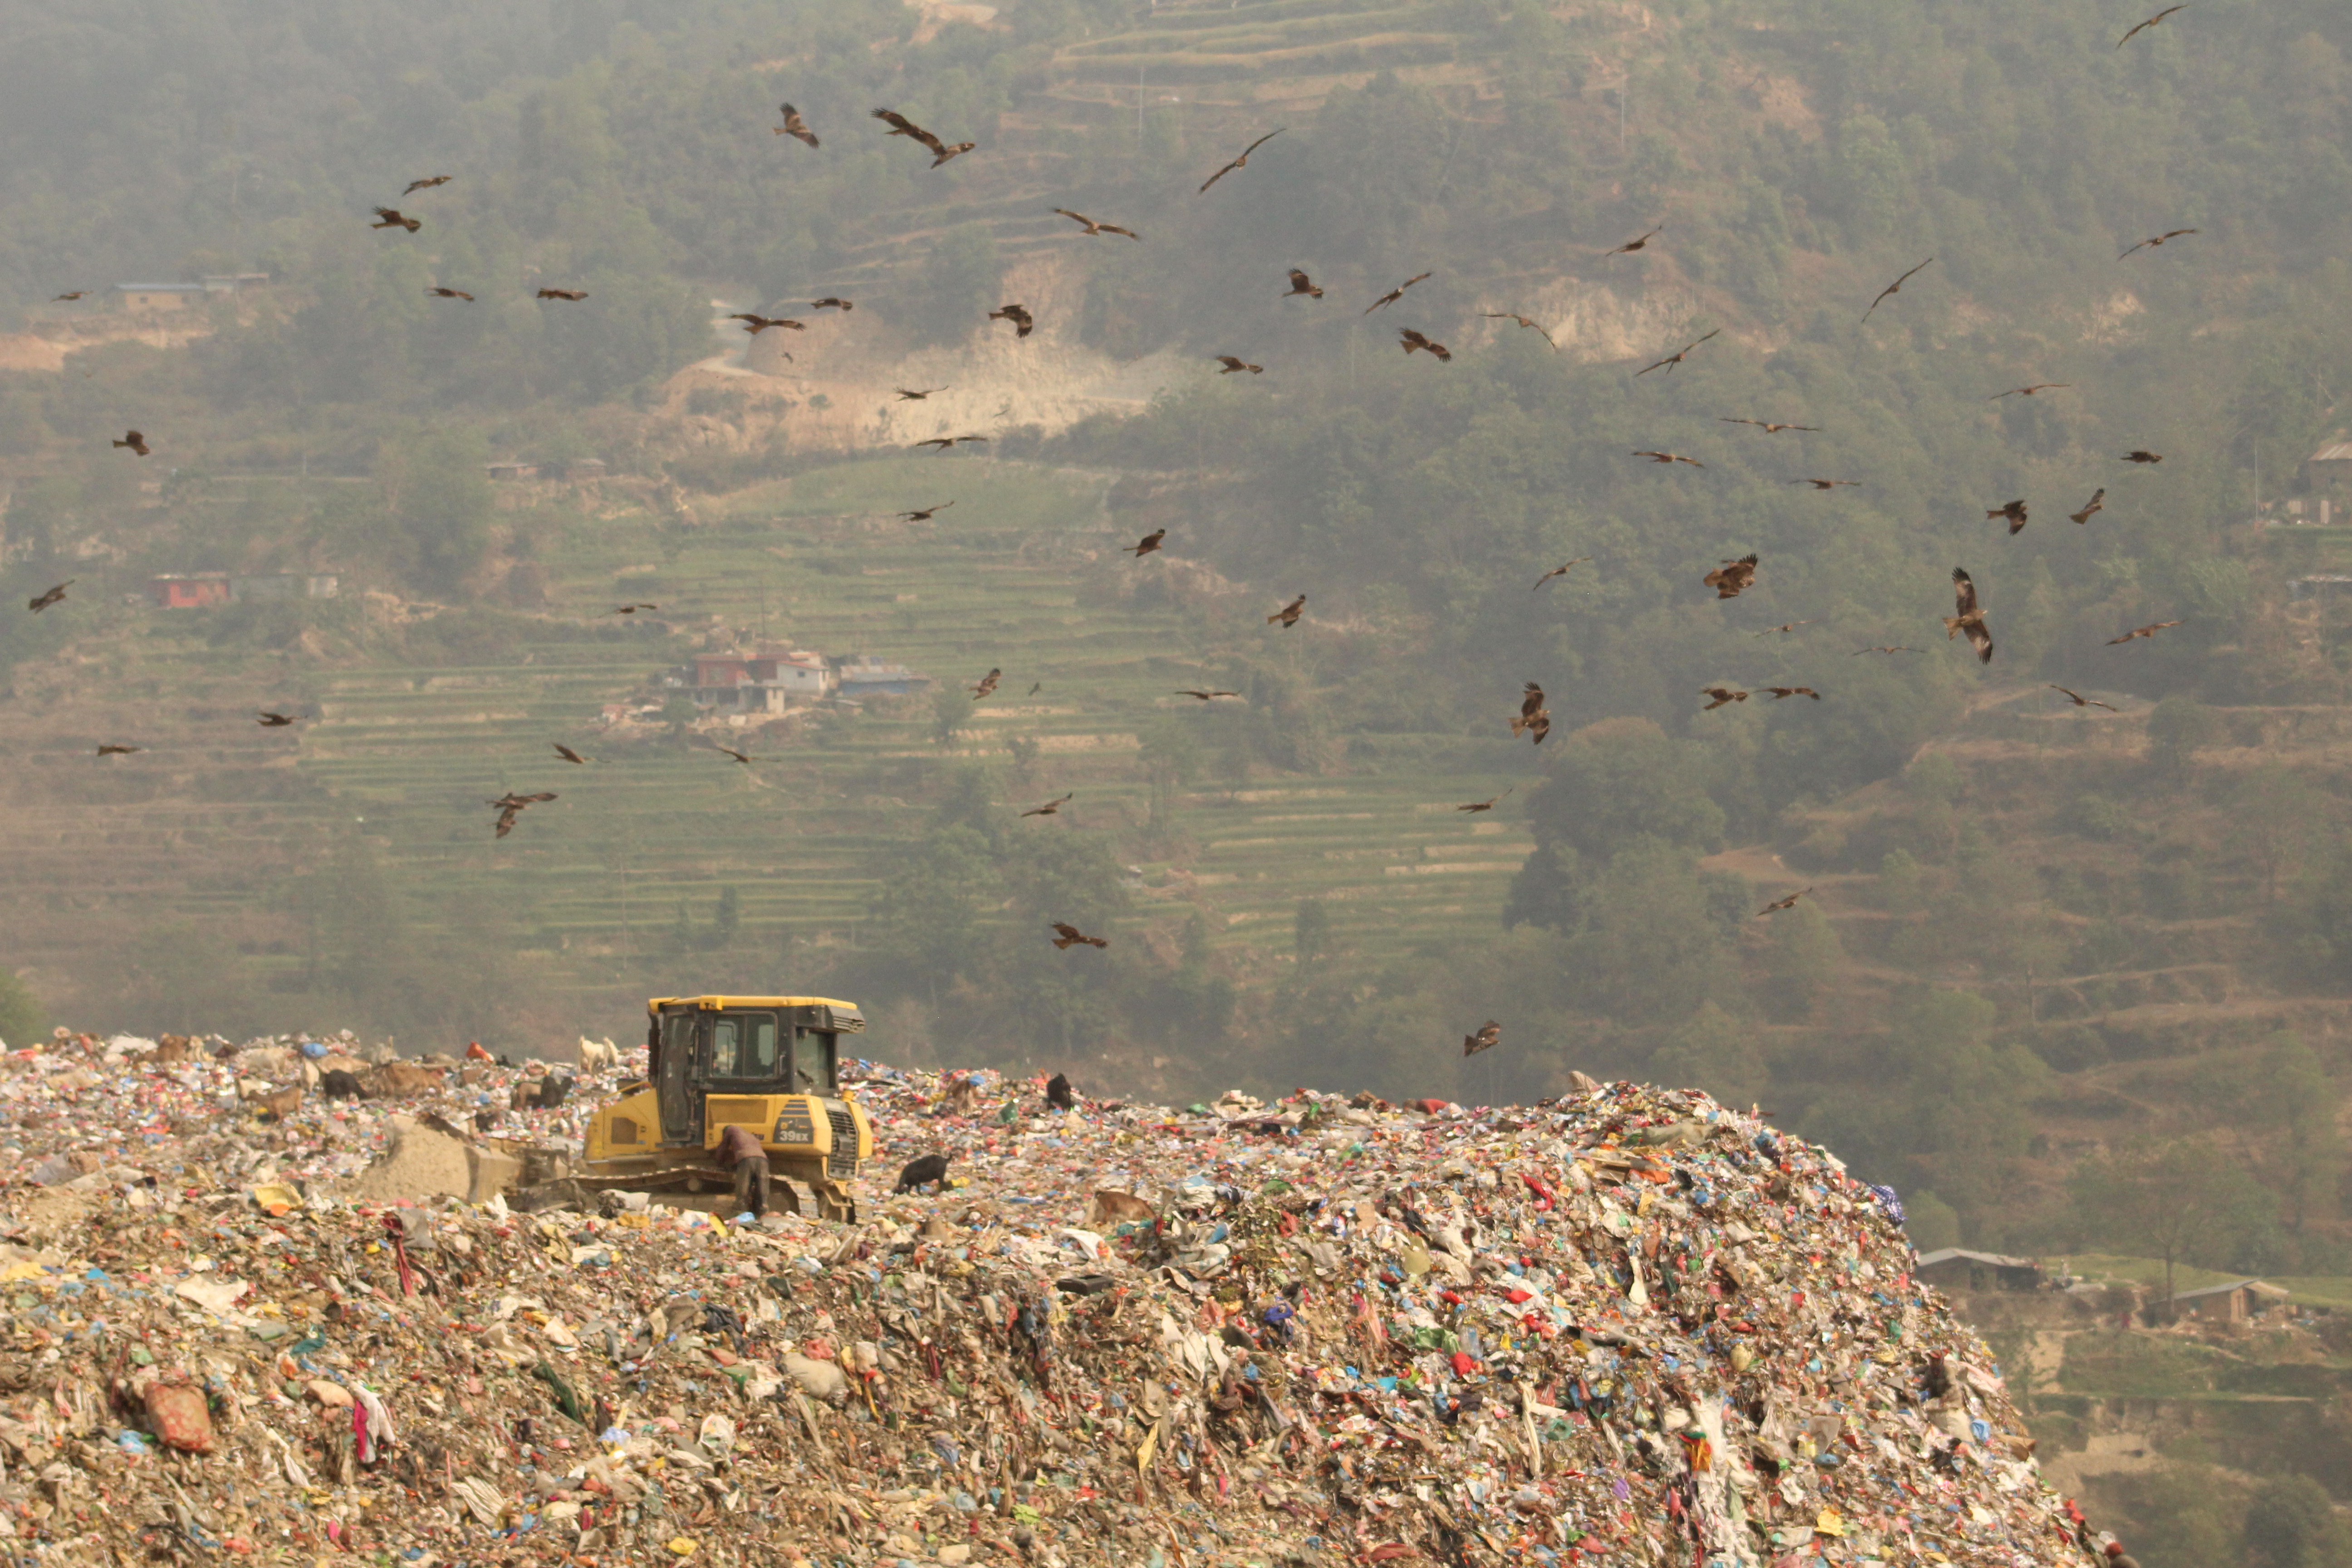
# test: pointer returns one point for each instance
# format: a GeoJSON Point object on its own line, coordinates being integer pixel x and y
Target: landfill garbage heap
{"type": "Point", "coordinates": [1630, 1326]}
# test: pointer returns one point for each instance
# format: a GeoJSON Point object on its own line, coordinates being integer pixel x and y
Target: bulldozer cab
{"type": "Point", "coordinates": [698, 1047]}
{"type": "Point", "coordinates": [770, 1065]}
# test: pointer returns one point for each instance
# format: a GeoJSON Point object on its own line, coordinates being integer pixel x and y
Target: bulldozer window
{"type": "Point", "coordinates": [743, 1045]}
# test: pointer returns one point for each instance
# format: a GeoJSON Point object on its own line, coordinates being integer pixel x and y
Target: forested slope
{"type": "Point", "coordinates": [1999, 904]}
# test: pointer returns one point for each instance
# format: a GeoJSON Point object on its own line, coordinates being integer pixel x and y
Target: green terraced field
{"type": "Point", "coordinates": [1020, 574]}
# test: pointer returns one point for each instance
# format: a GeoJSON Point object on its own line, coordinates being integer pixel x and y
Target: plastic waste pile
{"type": "Point", "coordinates": [1632, 1326]}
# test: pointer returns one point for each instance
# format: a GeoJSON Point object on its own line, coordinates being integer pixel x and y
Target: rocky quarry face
{"type": "Point", "coordinates": [1632, 1326]}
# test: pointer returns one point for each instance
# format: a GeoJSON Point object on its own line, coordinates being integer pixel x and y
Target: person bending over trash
{"type": "Point", "coordinates": [739, 1149]}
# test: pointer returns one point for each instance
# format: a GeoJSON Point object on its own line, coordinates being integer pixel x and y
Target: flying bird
{"type": "Point", "coordinates": [1777, 905]}
{"type": "Point", "coordinates": [2038, 387]}
{"type": "Point", "coordinates": [1022, 324]}
{"type": "Point", "coordinates": [1897, 648]}
{"type": "Point", "coordinates": [1066, 936]}
{"type": "Point", "coordinates": [274, 721]}
{"type": "Point", "coordinates": [1052, 807]}
{"type": "Point", "coordinates": [416, 185]}
{"type": "Point", "coordinates": [1531, 702]}
{"type": "Point", "coordinates": [51, 597]}
{"type": "Point", "coordinates": [567, 753]}
{"type": "Point", "coordinates": [924, 514]}
{"type": "Point", "coordinates": [135, 441]}
{"type": "Point", "coordinates": [832, 303]}
{"type": "Point", "coordinates": [2143, 456]}
{"type": "Point", "coordinates": [1035, 686]}
{"type": "Point", "coordinates": [1722, 695]}
{"type": "Point", "coordinates": [109, 749]}
{"type": "Point", "coordinates": [1767, 428]}
{"type": "Point", "coordinates": [511, 806]}
{"type": "Point", "coordinates": [1896, 287]}
{"type": "Point", "coordinates": [2155, 239]}
{"type": "Point", "coordinates": [630, 609]}
{"type": "Point", "coordinates": [1489, 1035]}
{"type": "Point", "coordinates": [1409, 340]}
{"type": "Point", "coordinates": [1478, 806]}
{"type": "Point", "coordinates": [1393, 295]}
{"type": "Point", "coordinates": [729, 751]}
{"type": "Point", "coordinates": [902, 126]}
{"type": "Point", "coordinates": [795, 127]}
{"type": "Point", "coordinates": [440, 293]}
{"type": "Point", "coordinates": [1732, 578]}
{"type": "Point", "coordinates": [2146, 631]}
{"type": "Point", "coordinates": [1206, 696]}
{"type": "Point", "coordinates": [1670, 457]}
{"type": "Point", "coordinates": [2141, 27]}
{"type": "Point", "coordinates": [1970, 620]}
{"type": "Point", "coordinates": [944, 442]}
{"type": "Point", "coordinates": [1826, 484]}
{"type": "Point", "coordinates": [1533, 720]}
{"type": "Point", "coordinates": [2014, 511]}
{"type": "Point", "coordinates": [1235, 363]}
{"type": "Point", "coordinates": [1515, 316]}
{"type": "Point", "coordinates": [1241, 162]}
{"type": "Point", "coordinates": [1302, 284]}
{"type": "Point", "coordinates": [1631, 246]}
{"type": "Point", "coordinates": [1092, 226]}
{"type": "Point", "coordinates": [912, 395]}
{"type": "Point", "coordinates": [1675, 358]}
{"type": "Point", "coordinates": [1561, 570]}
{"type": "Point", "coordinates": [2083, 702]}
{"type": "Point", "coordinates": [1784, 626]}
{"type": "Point", "coordinates": [389, 218]}
{"type": "Point", "coordinates": [1145, 546]}
{"type": "Point", "coordinates": [63, 299]}
{"type": "Point", "coordinates": [760, 323]}
{"type": "Point", "coordinates": [987, 683]}
{"type": "Point", "coordinates": [1779, 691]}
{"type": "Point", "coordinates": [575, 295]}
{"type": "Point", "coordinates": [2097, 503]}
{"type": "Point", "coordinates": [1288, 614]}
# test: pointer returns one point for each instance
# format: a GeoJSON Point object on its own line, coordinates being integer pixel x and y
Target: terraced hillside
{"type": "Point", "coordinates": [219, 821]}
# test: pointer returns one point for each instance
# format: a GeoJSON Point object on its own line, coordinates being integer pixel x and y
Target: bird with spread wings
{"type": "Point", "coordinates": [1970, 619]}
{"type": "Point", "coordinates": [1393, 295]}
{"type": "Point", "coordinates": [1675, 358]}
{"type": "Point", "coordinates": [1515, 316]}
{"type": "Point", "coordinates": [1896, 287]}
{"type": "Point", "coordinates": [2152, 241]}
{"type": "Point", "coordinates": [795, 127]}
{"type": "Point", "coordinates": [1241, 162]}
{"type": "Point", "coordinates": [902, 126]}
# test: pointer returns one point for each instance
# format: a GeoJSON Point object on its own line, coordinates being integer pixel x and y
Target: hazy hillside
{"type": "Point", "coordinates": [2040, 949]}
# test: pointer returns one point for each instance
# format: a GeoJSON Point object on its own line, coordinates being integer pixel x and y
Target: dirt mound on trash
{"type": "Point", "coordinates": [1632, 1326]}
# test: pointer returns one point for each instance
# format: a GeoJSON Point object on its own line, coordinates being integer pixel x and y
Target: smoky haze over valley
{"type": "Point", "coordinates": [1935, 737]}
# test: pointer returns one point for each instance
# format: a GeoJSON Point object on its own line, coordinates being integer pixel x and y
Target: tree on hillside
{"type": "Point", "coordinates": [2276, 816]}
{"type": "Point", "coordinates": [21, 1020]}
{"type": "Point", "coordinates": [1714, 1051]}
{"type": "Point", "coordinates": [2178, 1201]}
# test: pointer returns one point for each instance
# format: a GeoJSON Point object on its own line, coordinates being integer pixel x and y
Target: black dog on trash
{"type": "Point", "coordinates": [931, 1170]}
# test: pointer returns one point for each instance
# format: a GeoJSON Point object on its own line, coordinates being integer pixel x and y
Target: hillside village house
{"type": "Point", "coordinates": [1956, 1268]}
{"type": "Point", "coordinates": [767, 681]}
{"type": "Point", "coordinates": [179, 296]}
{"type": "Point", "coordinates": [2234, 1302]}
{"type": "Point", "coordinates": [203, 590]}
{"type": "Point", "coordinates": [774, 679]}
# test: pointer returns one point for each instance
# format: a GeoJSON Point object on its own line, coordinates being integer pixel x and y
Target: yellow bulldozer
{"type": "Point", "coordinates": [771, 1064]}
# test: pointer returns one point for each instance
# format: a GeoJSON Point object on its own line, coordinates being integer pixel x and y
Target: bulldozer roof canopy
{"type": "Point", "coordinates": [717, 1003]}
